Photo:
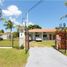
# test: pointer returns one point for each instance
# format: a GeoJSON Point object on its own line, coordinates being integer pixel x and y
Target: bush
{"type": "Point", "coordinates": [15, 34]}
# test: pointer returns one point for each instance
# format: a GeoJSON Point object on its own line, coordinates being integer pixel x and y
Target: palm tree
{"type": "Point", "coordinates": [65, 16]}
{"type": "Point", "coordinates": [9, 25]}
{"type": "Point", "coordinates": [65, 3]}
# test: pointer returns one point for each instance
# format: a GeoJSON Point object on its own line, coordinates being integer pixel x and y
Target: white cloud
{"type": "Point", "coordinates": [29, 23]}
{"type": "Point", "coordinates": [1, 2]}
{"type": "Point", "coordinates": [12, 11]}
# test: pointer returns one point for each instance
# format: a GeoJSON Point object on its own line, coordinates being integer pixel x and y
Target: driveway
{"type": "Point", "coordinates": [46, 57]}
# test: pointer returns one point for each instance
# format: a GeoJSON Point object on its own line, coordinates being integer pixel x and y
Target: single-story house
{"type": "Point", "coordinates": [44, 34]}
{"type": "Point", "coordinates": [5, 35]}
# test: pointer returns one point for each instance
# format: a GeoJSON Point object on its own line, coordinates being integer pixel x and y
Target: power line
{"type": "Point", "coordinates": [35, 5]}
{"type": "Point", "coordinates": [27, 18]}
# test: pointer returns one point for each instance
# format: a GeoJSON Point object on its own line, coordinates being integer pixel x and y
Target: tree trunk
{"type": "Point", "coordinates": [11, 37]}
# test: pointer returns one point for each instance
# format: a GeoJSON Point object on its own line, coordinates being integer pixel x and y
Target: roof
{"type": "Point", "coordinates": [42, 30]}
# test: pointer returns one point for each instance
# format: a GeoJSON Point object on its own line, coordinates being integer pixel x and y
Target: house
{"type": "Point", "coordinates": [44, 34]}
{"type": "Point", "coordinates": [5, 35]}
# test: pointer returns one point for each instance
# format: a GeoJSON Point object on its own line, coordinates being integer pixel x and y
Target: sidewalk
{"type": "Point", "coordinates": [46, 57]}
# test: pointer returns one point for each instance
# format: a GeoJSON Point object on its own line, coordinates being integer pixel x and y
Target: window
{"type": "Point", "coordinates": [44, 35]}
{"type": "Point", "coordinates": [37, 35]}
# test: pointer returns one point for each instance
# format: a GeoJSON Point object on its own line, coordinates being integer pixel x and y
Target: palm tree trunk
{"type": "Point", "coordinates": [11, 37]}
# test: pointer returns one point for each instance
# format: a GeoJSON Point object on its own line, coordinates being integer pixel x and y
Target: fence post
{"type": "Point", "coordinates": [26, 40]}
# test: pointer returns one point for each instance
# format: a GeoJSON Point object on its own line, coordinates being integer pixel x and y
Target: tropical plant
{"type": "Point", "coordinates": [9, 25]}
{"type": "Point", "coordinates": [65, 3]}
{"type": "Point", "coordinates": [65, 16]}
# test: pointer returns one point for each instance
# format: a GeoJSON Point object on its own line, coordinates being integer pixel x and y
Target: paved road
{"type": "Point", "coordinates": [46, 57]}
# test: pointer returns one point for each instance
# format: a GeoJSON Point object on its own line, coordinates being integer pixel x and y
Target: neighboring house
{"type": "Point", "coordinates": [5, 35]}
{"type": "Point", "coordinates": [44, 34]}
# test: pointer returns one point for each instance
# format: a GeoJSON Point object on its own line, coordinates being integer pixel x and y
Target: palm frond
{"type": "Point", "coordinates": [65, 3]}
{"type": "Point", "coordinates": [4, 20]}
{"type": "Point", "coordinates": [65, 16]}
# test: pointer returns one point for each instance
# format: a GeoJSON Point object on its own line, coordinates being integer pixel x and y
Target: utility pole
{"type": "Point", "coordinates": [26, 22]}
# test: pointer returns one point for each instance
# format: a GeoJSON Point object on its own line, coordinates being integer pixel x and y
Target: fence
{"type": "Point", "coordinates": [62, 43]}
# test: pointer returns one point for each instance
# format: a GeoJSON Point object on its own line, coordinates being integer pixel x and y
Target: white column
{"type": "Point", "coordinates": [48, 36]}
{"type": "Point", "coordinates": [51, 36]}
{"type": "Point", "coordinates": [42, 35]}
{"type": "Point", "coordinates": [33, 36]}
{"type": "Point", "coordinates": [21, 39]}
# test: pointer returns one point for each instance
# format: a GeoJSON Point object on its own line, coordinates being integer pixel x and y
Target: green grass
{"type": "Point", "coordinates": [48, 43]}
{"type": "Point", "coordinates": [12, 57]}
{"type": "Point", "coordinates": [7, 43]}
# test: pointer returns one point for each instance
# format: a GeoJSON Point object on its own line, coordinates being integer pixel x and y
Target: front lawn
{"type": "Point", "coordinates": [7, 43]}
{"type": "Point", "coordinates": [48, 43]}
{"type": "Point", "coordinates": [13, 57]}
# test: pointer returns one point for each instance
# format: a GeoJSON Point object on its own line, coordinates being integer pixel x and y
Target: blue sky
{"type": "Point", "coordinates": [46, 14]}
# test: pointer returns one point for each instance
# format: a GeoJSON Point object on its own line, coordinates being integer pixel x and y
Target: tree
{"type": "Point", "coordinates": [34, 27]}
{"type": "Point", "coordinates": [9, 25]}
{"type": "Point", "coordinates": [2, 31]}
{"type": "Point", "coordinates": [65, 3]}
{"type": "Point", "coordinates": [65, 16]}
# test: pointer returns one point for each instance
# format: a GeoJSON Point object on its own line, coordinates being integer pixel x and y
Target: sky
{"type": "Point", "coordinates": [46, 14]}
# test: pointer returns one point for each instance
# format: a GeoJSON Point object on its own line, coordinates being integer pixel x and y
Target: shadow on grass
{"type": "Point", "coordinates": [21, 48]}
{"type": "Point", "coordinates": [17, 47]}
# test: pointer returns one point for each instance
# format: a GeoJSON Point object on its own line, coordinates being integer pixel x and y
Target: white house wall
{"type": "Point", "coordinates": [33, 35]}
{"type": "Point", "coordinates": [4, 36]}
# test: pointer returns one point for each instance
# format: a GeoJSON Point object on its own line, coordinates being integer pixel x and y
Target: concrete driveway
{"type": "Point", "coordinates": [46, 57]}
